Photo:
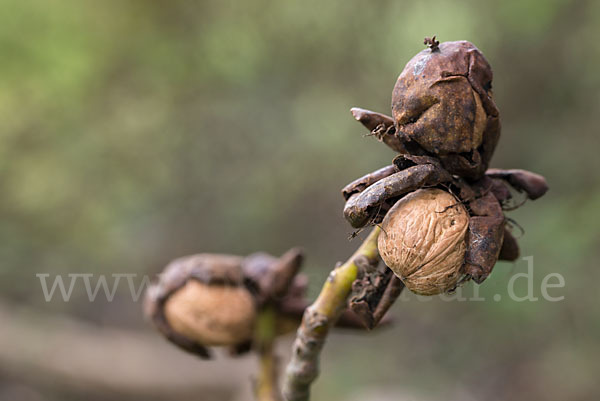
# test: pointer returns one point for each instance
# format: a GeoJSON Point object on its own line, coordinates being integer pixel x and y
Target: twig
{"type": "Point", "coordinates": [267, 387]}
{"type": "Point", "coordinates": [391, 293]}
{"type": "Point", "coordinates": [303, 367]}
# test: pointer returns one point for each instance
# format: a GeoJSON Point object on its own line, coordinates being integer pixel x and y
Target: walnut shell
{"type": "Point", "coordinates": [423, 240]}
{"type": "Point", "coordinates": [211, 314]}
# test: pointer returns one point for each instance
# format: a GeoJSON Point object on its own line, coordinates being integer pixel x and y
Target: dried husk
{"type": "Point", "coordinates": [211, 315]}
{"type": "Point", "coordinates": [442, 103]}
{"type": "Point", "coordinates": [423, 240]}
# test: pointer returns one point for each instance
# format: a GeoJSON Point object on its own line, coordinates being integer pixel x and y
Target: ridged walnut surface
{"type": "Point", "coordinates": [423, 240]}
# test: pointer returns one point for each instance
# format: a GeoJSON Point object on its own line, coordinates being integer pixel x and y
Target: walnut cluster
{"type": "Point", "coordinates": [441, 208]}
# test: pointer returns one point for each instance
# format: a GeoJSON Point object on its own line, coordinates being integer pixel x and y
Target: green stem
{"type": "Point", "coordinates": [267, 388]}
{"type": "Point", "coordinates": [318, 318]}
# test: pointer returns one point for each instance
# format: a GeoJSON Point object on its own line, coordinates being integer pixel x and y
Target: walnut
{"type": "Point", "coordinates": [423, 240]}
{"type": "Point", "coordinates": [207, 300]}
{"type": "Point", "coordinates": [212, 314]}
{"type": "Point", "coordinates": [203, 300]}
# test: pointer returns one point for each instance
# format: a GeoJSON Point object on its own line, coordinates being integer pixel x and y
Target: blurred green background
{"type": "Point", "coordinates": [134, 132]}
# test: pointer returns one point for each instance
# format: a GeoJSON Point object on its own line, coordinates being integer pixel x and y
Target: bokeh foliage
{"type": "Point", "coordinates": [133, 132]}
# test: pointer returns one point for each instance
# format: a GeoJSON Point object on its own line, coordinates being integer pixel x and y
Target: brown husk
{"type": "Point", "coordinates": [442, 105]}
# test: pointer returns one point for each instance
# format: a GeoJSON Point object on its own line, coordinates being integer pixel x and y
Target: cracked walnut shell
{"type": "Point", "coordinates": [423, 240]}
